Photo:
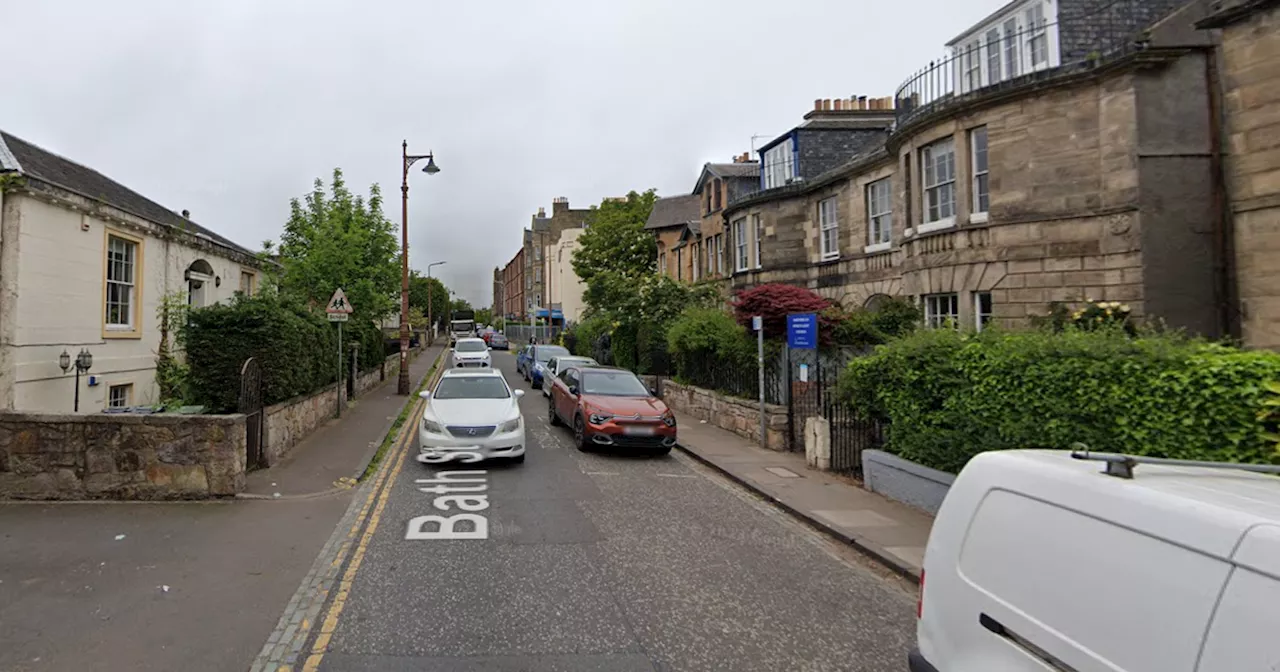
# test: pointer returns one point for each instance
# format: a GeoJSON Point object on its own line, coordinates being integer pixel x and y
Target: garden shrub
{"type": "Point", "coordinates": [774, 302]}
{"type": "Point", "coordinates": [707, 336]}
{"type": "Point", "coordinates": [948, 396]}
{"type": "Point", "coordinates": [296, 348]}
{"type": "Point", "coordinates": [586, 334]}
{"type": "Point", "coordinates": [867, 327]}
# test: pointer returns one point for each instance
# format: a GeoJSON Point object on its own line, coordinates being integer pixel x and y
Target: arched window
{"type": "Point", "coordinates": [200, 281]}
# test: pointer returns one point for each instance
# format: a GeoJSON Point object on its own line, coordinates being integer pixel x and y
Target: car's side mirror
{"type": "Point", "coordinates": [573, 390]}
{"type": "Point", "coordinates": [519, 393]}
{"type": "Point", "coordinates": [653, 391]}
{"type": "Point", "coordinates": [425, 394]}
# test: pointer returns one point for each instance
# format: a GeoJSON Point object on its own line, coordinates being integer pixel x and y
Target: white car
{"type": "Point", "coordinates": [556, 365]}
{"type": "Point", "coordinates": [471, 352]}
{"type": "Point", "coordinates": [471, 415]}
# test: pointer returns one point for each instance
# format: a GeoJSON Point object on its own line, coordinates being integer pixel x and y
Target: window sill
{"type": "Point", "coordinates": [878, 247]}
{"type": "Point", "coordinates": [113, 332]}
{"type": "Point", "coordinates": [936, 226]}
{"type": "Point", "coordinates": [979, 217]}
{"type": "Point", "coordinates": [827, 258]}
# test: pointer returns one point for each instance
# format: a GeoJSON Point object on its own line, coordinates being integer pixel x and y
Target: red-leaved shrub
{"type": "Point", "coordinates": [775, 301]}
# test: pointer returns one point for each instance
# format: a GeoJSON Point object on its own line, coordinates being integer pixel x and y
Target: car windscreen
{"type": "Point", "coordinates": [471, 346]}
{"type": "Point", "coordinates": [471, 387]}
{"type": "Point", "coordinates": [613, 384]}
{"type": "Point", "coordinates": [548, 351]}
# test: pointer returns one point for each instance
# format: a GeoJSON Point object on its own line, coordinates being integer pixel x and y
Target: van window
{"type": "Point", "coordinates": [1086, 590]}
{"type": "Point", "coordinates": [1243, 634]}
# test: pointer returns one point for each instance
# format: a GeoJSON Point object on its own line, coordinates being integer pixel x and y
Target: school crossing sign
{"type": "Point", "coordinates": [339, 308]}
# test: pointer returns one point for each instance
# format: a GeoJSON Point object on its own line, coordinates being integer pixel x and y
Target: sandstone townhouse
{"type": "Point", "coordinates": [85, 263]}
{"type": "Point", "coordinates": [1062, 150]}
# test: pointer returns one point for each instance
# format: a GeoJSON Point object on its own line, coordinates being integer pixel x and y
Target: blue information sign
{"type": "Point", "coordinates": [802, 331]}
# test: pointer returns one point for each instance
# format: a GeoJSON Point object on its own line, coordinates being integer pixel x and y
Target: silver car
{"type": "Point", "coordinates": [471, 415]}
{"type": "Point", "coordinates": [471, 352]}
{"type": "Point", "coordinates": [556, 365]}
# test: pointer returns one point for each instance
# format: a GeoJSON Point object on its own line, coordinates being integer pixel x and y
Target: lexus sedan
{"type": "Point", "coordinates": [610, 407]}
{"type": "Point", "coordinates": [471, 415]}
{"type": "Point", "coordinates": [471, 352]}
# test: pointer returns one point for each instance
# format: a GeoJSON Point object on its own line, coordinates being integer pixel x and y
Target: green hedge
{"type": "Point", "coordinates": [948, 396]}
{"type": "Point", "coordinates": [297, 350]}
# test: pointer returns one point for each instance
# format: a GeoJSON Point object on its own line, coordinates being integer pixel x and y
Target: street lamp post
{"type": "Point", "coordinates": [83, 362]}
{"type": "Point", "coordinates": [431, 325]}
{"type": "Point", "coordinates": [407, 162]}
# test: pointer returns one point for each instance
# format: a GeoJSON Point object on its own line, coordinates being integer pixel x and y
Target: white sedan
{"type": "Point", "coordinates": [471, 415]}
{"type": "Point", "coordinates": [556, 365]}
{"type": "Point", "coordinates": [471, 352]}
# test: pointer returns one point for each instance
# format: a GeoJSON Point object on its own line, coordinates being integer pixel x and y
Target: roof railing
{"type": "Point", "coordinates": [1120, 465]}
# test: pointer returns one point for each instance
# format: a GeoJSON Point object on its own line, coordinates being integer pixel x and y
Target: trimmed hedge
{"type": "Point", "coordinates": [297, 350]}
{"type": "Point", "coordinates": [948, 396]}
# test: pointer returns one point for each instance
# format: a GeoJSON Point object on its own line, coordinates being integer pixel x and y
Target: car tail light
{"type": "Point", "coordinates": [920, 598]}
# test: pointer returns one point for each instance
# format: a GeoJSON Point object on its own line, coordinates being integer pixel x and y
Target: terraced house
{"type": "Point", "coordinates": [85, 263]}
{"type": "Point", "coordinates": [1061, 150]}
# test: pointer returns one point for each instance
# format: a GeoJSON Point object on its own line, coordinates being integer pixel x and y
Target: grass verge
{"type": "Point", "coordinates": [390, 438]}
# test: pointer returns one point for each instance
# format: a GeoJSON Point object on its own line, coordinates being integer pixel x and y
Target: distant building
{"type": "Point", "coordinates": [564, 288]}
{"type": "Point", "coordinates": [85, 263]}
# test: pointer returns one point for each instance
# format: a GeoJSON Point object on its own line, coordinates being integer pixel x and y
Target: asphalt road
{"type": "Point", "coordinates": [609, 562]}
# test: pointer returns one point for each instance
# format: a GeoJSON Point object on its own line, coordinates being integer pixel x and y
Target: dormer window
{"type": "Point", "coordinates": [779, 166]}
{"type": "Point", "coordinates": [1020, 41]}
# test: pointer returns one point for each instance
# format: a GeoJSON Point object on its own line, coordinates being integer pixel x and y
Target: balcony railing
{"type": "Point", "coordinates": [997, 59]}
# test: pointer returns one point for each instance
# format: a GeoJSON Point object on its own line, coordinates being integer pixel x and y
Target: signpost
{"type": "Point", "coordinates": [757, 323]}
{"type": "Point", "coordinates": [339, 309]}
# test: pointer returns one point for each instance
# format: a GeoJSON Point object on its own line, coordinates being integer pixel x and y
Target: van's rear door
{"type": "Point", "coordinates": [1245, 632]}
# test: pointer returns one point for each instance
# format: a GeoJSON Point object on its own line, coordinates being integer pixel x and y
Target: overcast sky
{"type": "Point", "coordinates": [230, 108]}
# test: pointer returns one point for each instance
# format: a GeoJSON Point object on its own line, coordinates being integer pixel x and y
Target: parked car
{"type": "Point", "coordinates": [556, 365]}
{"type": "Point", "coordinates": [523, 355]}
{"type": "Point", "coordinates": [1037, 561]}
{"type": "Point", "coordinates": [498, 341]}
{"type": "Point", "coordinates": [610, 407]}
{"type": "Point", "coordinates": [471, 352]}
{"type": "Point", "coordinates": [537, 365]}
{"type": "Point", "coordinates": [472, 411]}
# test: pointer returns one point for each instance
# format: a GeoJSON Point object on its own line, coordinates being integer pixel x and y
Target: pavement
{"type": "Point", "coordinates": [187, 586]}
{"type": "Point", "coordinates": [587, 561]}
{"type": "Point", "coordinates": [890, 532]}
{"type": "Point", "coordinates": [340, 448]}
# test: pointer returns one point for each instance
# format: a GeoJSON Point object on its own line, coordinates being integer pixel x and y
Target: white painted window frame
{"type": "Point", "coordinates": [879, 215]}
{"type": "Point", "coordinates": [978, 213]}
{"type": "Point", "coordinates": [779, 165]}
{"type": "Point", "coordinates": [829, 222]}
{"type": "Point", "coordinates": [126, 388]}
{"type": "Point", "coordinates": [742, 260]}
{"type": "Point", "coordinates": [1015, 44]}
{"type": "Point", "coordinates": [938, 184]}
{"type": "Point", "coordinates": [936, 319]}
{"type": "Point", "coordinates": [758, 229]}
{"type": "Point", "coordinates": [128, 287]}
{"type": "Point", "coordinates": [978, 314]}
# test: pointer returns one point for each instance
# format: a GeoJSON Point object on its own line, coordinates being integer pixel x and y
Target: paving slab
{"type": "Point", "coordinates": [892, 533]}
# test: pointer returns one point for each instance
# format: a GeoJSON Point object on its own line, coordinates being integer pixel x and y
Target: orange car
{"type": "Point", "coordinates": [610, 407]}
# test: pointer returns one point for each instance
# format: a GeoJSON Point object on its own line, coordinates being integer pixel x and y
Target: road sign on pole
{"type": "Point", "coordinates": [757, 323]}
{"type": "Point", "coordinates": [339, 309]}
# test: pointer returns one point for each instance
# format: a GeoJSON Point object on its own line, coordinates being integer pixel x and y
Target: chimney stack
{"type": "Point", "coordinates": [542, 212]}
{"type": "Point", "coordinates": [558, 205]}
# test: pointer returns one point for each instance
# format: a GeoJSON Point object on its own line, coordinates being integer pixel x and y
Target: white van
{"type": "Point", "coordinates": [1052, 561]}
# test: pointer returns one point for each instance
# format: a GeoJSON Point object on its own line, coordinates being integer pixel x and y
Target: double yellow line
{"type": "Point", "coordinates": [377, 501]}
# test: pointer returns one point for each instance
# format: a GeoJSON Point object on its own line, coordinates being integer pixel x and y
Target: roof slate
{"type": "Point", "coordinates": [36, 162]}
{"type": "Point", "coordinates": [674, 211]}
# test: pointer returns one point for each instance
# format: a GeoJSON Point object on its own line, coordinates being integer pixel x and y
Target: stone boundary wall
{"type": "Point", "coordinates": [289, 422]}
{"type": "Point", "coordinates": [740, 416]}
{"type": "Point", "coordinates": [101, 456]}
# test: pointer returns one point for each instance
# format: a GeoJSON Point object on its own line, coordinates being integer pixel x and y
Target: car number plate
{"type": "Point", "coordinates": [638, 430]}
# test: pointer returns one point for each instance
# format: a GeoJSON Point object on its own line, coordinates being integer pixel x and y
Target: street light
{"type": "Point", "coordinates": [407, 161]}
{"type": "Point", "coordinates": [83, 362]}
{"type": "Point", "coordinates": [431, 325]}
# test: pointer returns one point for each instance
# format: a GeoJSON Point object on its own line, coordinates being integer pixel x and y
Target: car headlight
{"type": "Point", "coordinates": [432, 427]}
{"type": "Point", "coordinates": [509, 426]}
{"type": "Point", "coordinates": [600, 418]}
{"type": "Point", "coordinates": [669, 419]}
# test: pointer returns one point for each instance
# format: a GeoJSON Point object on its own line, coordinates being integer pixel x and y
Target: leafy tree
{"type": "Point", "coordinates": [341, 240]}
{"type": "Point", "coordinates": [439, 296]}
{"type": "Point", "coordinates": [484, 316]}
{"type": "Point", "coordinates": [461, 304]}
{"type": "Point", "coordinates": [615, 248]}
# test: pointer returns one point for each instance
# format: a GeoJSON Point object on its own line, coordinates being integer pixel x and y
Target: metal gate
{"type": "Point", "coordinates": [812, 376]}
{"type": "Point", "coordinates": [850, 435]}
{"type": "Point", "coordinates": [251, 407]}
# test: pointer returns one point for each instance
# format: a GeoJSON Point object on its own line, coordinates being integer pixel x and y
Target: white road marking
{"type": "Point", "coordinates": [602, 473]}
{"type": "Point", "coordinates": [677, 475]}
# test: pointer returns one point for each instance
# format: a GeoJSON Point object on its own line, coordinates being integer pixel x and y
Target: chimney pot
{"type": "Point", "coordinates": [542, 212]}
{"type": "Point", "coordinates": [826, 105]}
{"type": "Point", "coordinates": [862, 103]}
{"type": "Point", "coordinates": [817, 104]}
{"type": "Point", "coordinates": [839, 104]}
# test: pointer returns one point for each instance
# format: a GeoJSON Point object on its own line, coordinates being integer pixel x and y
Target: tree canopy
{"type": "Point", "coordinates": [615, 250]}
{"type": "Point", "coordinates": [338, 239]}
{"type": "Point", "coordinates": [439, 296]}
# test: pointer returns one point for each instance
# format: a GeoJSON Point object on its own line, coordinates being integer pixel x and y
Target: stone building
{"type": "Point", "coordinates": [718, 185]}
{"type": "Point", "coordinates": [996, 195]}
{"type": "Point", "coordinates": [499, 306]}
{"type": "Point", "coordinates": [85, 264]}
{"type": "Point", "coordinates": [675, 220]}
{"type": "Point", "coordinates": [1249, 56]}
{"type": "Point", "coordinates": [543, 233]}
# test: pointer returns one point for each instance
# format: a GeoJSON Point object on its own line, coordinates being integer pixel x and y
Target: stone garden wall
{"type": "Point", "coordinates": [740, 416]}
{"type": "Point", "coordinates": [100, 456]}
